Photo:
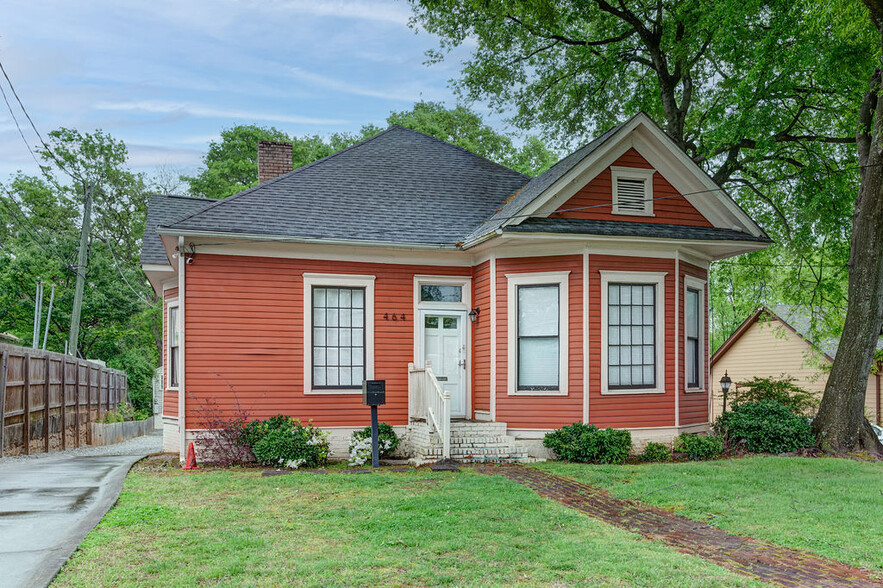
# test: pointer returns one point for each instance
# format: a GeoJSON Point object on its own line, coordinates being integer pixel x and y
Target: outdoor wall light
{"type": "Point", "coordinates": [725, 386]}
{"type": "Point", "coordinates": [473, 314]}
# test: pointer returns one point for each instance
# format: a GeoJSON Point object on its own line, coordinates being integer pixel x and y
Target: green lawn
{"type": "Point", "coordinates": [236, 528]}
{"type": "Point", "coordinates": [832, 507]}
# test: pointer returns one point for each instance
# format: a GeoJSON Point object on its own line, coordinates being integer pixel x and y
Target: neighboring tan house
{"type": "Point", "coordinates": [578, 295]}
{"type": "Point", "coordinates": [776, 341]}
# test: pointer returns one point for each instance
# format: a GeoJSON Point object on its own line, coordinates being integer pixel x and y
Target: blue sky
{"type": "Point", "coordinates": [167, 75]}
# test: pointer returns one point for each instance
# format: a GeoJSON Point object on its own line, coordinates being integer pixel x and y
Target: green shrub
{"type": "Point", "coordinates": [656, 452]}
{"type": "Point", "coordinates": [360, 443]}
{"type": "Point", "coordinates": [141, 414]}
{"type": "Point", "coordinates": [287, 442]}
{"type": "Point", "coordinates": [589, 444]}
{"type": "Point", "coordinates": [765, 427]}
{"type": "Point", "coordinates": [255, 430]}
{"type": "Point", "coordinates": [699, 447]}
{"type": "Point", "coordinates": [781, 390]}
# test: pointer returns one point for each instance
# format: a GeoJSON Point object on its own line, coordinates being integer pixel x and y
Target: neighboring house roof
{"type": "Point", "coordinates": [164, 209]}
{"type": "Point", "coordinates": [629, 229]}
{"type": "Point", "coordinates": [799, 319]}
{"type": "Point", "coordinates": [400, 186]}
{"type": "Point", "coordinates": [9, 338]}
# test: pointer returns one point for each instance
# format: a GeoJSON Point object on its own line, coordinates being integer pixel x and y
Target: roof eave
{"type": "Point", "coordinates": [171, 231]}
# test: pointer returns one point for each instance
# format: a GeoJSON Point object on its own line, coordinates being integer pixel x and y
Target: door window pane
{"type": "Point", "coordinates": [538, 337]}
{"type": "Point", "coordinates": [631, 352]}
{"type": "Point", "coordinates": [338, 337]}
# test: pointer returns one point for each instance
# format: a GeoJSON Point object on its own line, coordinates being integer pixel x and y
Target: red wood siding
{"type": "Point", "coordinates": [675, 211]}
{"type": "Point", "coordinates": [481, 338]}
{"type": "Point", "coordinates": [693, 405]}
{"type": "Point", "coordinates": [541, 412]}
{"type": "Point", "coordinates": [630, 410]}
{"type": "Point", "coordinates": [244, 337]}
{"type": "Point", "coordinates": [170, 397]}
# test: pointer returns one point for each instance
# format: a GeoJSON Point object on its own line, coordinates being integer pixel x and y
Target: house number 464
{"type": "Point", "coordinates": [392, 316]}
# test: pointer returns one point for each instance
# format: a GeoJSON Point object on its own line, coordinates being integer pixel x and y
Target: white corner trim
{"type": "Point", "coordinates": [182, 364]}
{"type": "Point", "coordinates": [560, 279]}
{"type": "Point", "coordinates": [343, 280]}
{"type": "Point", "coordinates": [585, 323]}
{"type": "Point", "coordinates": [635, 277]}
{"type": "Point", "coordinates": [493, 285]}
{"type": "Point", "coordinates": [677, 340]}
{"type": "Point", "coordinates": [700, 285]}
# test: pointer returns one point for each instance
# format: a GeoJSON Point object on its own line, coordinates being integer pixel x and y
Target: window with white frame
{"type": "Point", "coordinates": [693, 332]}
{"type": "Point", "coordinates": [632, 191]}
{"type": "Point", "coordinates": [538, 333]}
{"type": "Point", "coordinates": [632, 338]}
{"type": "Point", "coordinates": [174, 345]}
{"type": "Point", "coordinates": [338, 332]}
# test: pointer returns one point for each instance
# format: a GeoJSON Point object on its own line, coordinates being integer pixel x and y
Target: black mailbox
{"type": "Point", "coordinates": [374, 392]}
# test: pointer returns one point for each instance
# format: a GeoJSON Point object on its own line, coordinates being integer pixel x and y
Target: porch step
{"type": "Point", "coordinates": [471, 442]}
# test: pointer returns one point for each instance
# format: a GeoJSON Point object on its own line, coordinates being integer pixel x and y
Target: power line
{"type": "Point", "coordinates": [33, 126]}
{"type": "Point", "coordinates": [31, 230]}
{"type": "Point", "coordinates": [18, 126]}
{"type": "Point", "coordinates": [117, 265]}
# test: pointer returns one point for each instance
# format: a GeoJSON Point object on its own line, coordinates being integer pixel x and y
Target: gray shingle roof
{"type": "Point", "coordinates": [803, 320]}
{"type": "Point", "coordinates": [540, 184]}
{"type": "Point", "coordinates": [630, 229]}
{"type": "Point", "coordinates": [164, 209]}
{"type": "Point", "coordinates": [398, 186]}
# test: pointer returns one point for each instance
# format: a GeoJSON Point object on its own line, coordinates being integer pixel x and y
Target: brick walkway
{"type": "Point", "coordinates": [752, 557]}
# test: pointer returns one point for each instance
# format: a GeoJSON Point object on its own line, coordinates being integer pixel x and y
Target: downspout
{"type": "Point", "coordinates": [182, 372]}
{"type": "Point", "coordinates": [493, 392]}
{"type": "Point", "coordinates": [677, 339]}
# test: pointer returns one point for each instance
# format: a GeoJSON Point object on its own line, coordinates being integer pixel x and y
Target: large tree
{"type": "Point", "coordinates": [761, 93]}
{"type": "Point", "coordinates": [840, 423]}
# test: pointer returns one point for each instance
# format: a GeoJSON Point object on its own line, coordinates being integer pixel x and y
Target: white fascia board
{"type": "Point", "coordinates": [190, 234]}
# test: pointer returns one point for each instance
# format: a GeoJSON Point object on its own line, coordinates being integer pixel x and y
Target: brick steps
{"type": "Point", "coordinates": [471, 442]}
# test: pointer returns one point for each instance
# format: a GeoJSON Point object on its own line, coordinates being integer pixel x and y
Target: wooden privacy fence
{"type": "Point", "coordinates": [47, 400]}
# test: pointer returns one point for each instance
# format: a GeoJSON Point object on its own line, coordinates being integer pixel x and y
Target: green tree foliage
{"type": "Point", "coordinates": [762, 94]}
{"type": "Point", "coordinates": [231, 162]}
{"type": "Point", "coordinates": [39, 225]}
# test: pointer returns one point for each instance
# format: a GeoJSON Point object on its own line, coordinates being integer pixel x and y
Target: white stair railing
{"type": "Point", "coordinates": [428, 400]}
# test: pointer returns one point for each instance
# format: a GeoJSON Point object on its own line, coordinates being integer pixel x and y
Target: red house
{"type": "Point", "coordinates": [577, 295]}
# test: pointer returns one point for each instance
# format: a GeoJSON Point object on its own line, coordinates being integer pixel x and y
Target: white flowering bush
{"type": "Point", "coordinates": [360, 444]}
{"type": "Point", "coordinates": [286, 442]}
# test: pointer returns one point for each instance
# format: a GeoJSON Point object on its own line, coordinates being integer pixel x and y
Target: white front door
{"type": "Point", "coordinates": [444, 346]}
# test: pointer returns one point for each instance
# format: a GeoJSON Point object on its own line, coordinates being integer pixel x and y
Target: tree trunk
{"type": "Point", "coordinates": [841, 425]}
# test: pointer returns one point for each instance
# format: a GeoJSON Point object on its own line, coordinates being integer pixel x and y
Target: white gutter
{"type": "Point", "coordinates": [308, 240]}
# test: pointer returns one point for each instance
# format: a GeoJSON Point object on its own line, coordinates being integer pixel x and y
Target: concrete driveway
{"type": "Point", "coordinates": [49, 502]}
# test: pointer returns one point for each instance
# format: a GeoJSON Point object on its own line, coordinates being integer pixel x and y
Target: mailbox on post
{"type": "Point", "coordinates": [373, 392]}
{"type": "Point", "coordinates": [373, 395]}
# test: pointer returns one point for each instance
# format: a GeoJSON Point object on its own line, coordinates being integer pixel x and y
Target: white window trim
{"type": "Point", "coordinates": [658, 279]}
{"type": "Point", "coordinates": [561, 279]}
{"type": "Point", "coordinates": [463, 281]}
{"type": "Point", "coordinates": [169, 327]}
{"type": "Point", "coordinates": [633, 173]}
{"type": "Point", "coordinates": [346, 281]}
{"type": "Point", "coordinates": [701, 285]}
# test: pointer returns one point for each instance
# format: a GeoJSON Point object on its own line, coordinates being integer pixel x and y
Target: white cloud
{"type": "Point", "coordinates": [164, 107]}
{"type": "Point", "coordinates": [370, 11]}
{"type": "Point", "coordinates": [401, 93]}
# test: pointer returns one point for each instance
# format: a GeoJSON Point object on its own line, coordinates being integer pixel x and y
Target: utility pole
{"type": "Point", "coordinates": [82, 261]}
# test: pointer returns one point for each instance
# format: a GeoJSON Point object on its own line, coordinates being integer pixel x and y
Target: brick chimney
{"type": "Point", "coordinates": [274, 159]}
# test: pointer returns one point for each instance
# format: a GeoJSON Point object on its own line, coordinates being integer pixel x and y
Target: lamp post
{"type": "Point", "coordinates": [725, 386]}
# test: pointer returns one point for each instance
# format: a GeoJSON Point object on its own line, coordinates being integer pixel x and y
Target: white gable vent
{"type": "Point", "coordinates": [632, 191]}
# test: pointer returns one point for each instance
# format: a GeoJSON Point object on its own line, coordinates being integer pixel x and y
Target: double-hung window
{"type": "Point", "coordinates": [693, 333]}
{"type": "Point", "coordinates": [338, 337]}
{"type": "Point", "coordinates": [174, 344]}
{"type": "Point", "coordinates": [632, 345]}
{"type": "Point", "coordinates": [538, 333]}
{"type": "Point", "coordinates": [338, 332]}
